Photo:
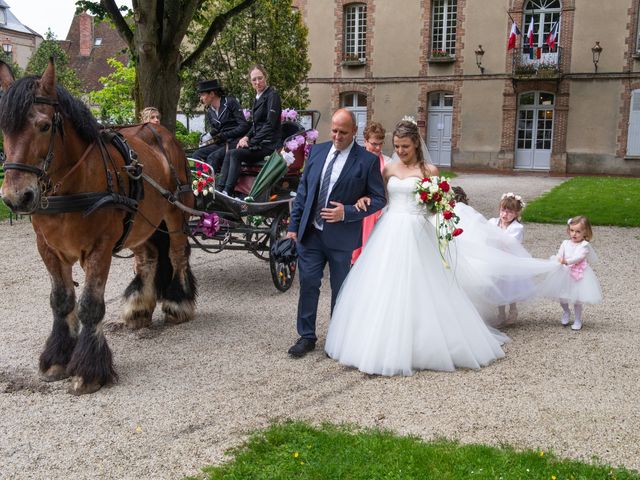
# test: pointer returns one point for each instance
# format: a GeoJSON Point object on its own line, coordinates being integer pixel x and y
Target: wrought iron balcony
{"type": "Point", "coordinates": [537, 64]}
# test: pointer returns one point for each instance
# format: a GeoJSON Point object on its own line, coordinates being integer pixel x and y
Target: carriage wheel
{"type": "Point", "coordinates": [282, 274]}
{"type": "Point", "coordinates": [260, 241]}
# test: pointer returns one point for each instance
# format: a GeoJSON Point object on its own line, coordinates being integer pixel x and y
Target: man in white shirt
{"type": "Point", "coordinates": [325, 223]}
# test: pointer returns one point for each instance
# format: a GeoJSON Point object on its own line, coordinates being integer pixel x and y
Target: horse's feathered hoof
{"type": "Point", "coordinates": [79, 387]}
{"type": "Point", "coordinates": [175, 313]}
{"type": "Point", "coordinates": [55, 373]}
{"type": "Point", "coordinates": [137, 320]}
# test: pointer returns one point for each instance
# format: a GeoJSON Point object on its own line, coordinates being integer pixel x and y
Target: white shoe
{"type": "Point", "coordinates": [577, 325]}
{"type": "Point", "coordinates": [565, 319]}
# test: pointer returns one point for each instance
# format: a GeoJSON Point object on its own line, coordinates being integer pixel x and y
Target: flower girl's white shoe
{"type": "Point", "coordinates": [577, 324]}
{"type": "Point", "coordinates": [565, 319]}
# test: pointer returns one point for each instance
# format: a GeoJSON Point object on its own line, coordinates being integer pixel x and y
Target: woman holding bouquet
{"type": "Point", "coordinates": [401, 308]}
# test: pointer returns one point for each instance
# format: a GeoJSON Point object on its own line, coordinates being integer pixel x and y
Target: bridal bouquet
{"type": "Point", "coordinates": [437, 197]}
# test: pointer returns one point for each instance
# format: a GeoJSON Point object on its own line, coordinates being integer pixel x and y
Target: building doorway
{"type": "Point", "coordinates": [357, 103]}
{"type": "Point", "coordinates": [633, 135]}
{"type": "Point", "coordinates": [534, 130]}
{"type": "Point", "coordinates": [439, 127]}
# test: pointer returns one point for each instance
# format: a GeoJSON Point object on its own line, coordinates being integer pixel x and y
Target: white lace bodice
{"type": "Point", "coordinates": [402, 198]}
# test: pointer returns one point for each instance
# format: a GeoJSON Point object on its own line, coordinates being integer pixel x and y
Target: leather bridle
{"type": "Point", "coordinates": [56, 126]}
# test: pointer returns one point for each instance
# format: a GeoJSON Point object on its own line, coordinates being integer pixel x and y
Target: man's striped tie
{"type": "Point", "coordinates": [324, 189]}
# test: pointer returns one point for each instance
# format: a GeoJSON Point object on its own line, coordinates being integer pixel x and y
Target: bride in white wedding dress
{"type": "Point", "coordinates": [400, 309]}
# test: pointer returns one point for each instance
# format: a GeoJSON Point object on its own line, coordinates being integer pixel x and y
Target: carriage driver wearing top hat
{"type": "Point", "coordinates": [225, 119]}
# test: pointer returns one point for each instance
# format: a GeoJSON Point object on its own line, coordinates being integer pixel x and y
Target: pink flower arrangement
{"type": "Point", "coordinates": [288, 114]}
{"type": "Point", "coordinates": [305, 139]}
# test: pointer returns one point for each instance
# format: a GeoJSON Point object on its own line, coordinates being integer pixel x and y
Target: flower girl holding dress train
{"type": "Point", "coordinates": [575, 282]}
{"type": "Point", "coordinates": [510, 208]}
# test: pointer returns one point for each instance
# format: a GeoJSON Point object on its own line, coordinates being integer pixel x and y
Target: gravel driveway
{"type": "Point", "coordinates": [188, 392]}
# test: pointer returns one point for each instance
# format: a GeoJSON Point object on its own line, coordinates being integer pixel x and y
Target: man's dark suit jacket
{"type": "Point", "coordinates": [360, 177]}
{"type": "Point", "coordinates": [230, 123]}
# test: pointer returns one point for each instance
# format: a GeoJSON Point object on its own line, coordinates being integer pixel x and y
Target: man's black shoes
{"type": "Point", "coordinates": [302, 347]}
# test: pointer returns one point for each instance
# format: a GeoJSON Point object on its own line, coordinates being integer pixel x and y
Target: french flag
{"type": "Point", "coordinates": [512, 36]}
{"type": "Point", "coordinates": [530, 33]}
{"type": "Point", "coordinates": [553, 36]}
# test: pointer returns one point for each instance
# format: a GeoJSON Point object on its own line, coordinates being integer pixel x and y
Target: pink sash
{"type": "Point", "coordinates": [577, 270]}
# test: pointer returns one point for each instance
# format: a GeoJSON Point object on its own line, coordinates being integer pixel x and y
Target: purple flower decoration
{"type": "Point", "coordinates": [247, 113]}
{"type": "Point", "coordinates": [209, 224]}
{"type": "Point", "coordinates": [288, 114]}
{"type": "Point", "coordinates": [291, 145]}
{"type": "Point", "coordinates": [312, 135]}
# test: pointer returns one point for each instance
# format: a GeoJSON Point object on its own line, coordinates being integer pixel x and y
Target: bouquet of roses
{"type": "Point", "coordinates": [203, 183]}
{"type": "Point", "coordinates": [436, 196]}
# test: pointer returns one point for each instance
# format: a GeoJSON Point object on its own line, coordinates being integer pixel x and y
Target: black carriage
{"type": "Point", "coordinates": [257, 215]}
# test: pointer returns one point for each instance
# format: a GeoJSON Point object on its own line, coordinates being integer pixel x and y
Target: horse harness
{"type": "Point", "coordinates": [89, 202]}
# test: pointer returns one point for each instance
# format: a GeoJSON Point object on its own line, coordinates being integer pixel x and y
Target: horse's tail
{"type": "Point", "coordinates": [168, 288]}
{"type": "Point", "coordinates": [164, 269]}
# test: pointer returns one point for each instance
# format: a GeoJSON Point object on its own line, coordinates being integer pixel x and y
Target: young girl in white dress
{"type": "Point", "coordinates": [576, 281]}
{"type": "Point", "coordinates": [510, 208]}
{"type": "Point", "coordinates": [400, 308]}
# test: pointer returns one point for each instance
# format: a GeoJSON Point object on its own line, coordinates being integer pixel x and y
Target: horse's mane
{"type": "Point", "coordinates": [18, 100]}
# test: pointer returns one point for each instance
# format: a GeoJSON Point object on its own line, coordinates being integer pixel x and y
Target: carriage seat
{"type": "Point", "coordinates": [289, 129]}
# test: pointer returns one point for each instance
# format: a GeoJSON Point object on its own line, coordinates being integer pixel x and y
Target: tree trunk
{"type": "Point", "coordinates": [159, 86]}
{"type": "Point", "coordinates": [160, 26]}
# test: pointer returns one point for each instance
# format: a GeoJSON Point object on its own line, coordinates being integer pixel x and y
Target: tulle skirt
{"type": "Point", "coordinates": [401, 310]}
{"type": "Point", "coordinates": [561, 286]}
{"type": "Point", "coordinates": [494, 268]}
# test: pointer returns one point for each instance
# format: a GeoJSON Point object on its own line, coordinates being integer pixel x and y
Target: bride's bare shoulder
{"type": "Point", "coordinates": [389, 170]}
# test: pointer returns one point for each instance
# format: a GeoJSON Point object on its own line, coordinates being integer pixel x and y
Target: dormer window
{"type": "Point", "coordinates": [3, 16]}
{"type": "Point", "coordinates": [98, 41]}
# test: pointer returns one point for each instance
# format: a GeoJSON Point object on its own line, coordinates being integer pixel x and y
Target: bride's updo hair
{"type": "Point", "coordinates": [408, 129]}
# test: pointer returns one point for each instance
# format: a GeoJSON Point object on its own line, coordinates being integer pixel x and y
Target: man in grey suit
{"type": "Point", "coordinates": [325, 223]}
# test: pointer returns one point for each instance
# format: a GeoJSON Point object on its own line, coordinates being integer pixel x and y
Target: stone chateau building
{"type": "Point", "coordinates": [565, 99]}
{"type": "Point", "coordinates": [18, 41]}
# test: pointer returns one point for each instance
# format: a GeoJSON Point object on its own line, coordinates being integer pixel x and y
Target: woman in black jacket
{"type": "Point", "coordinates": [263, 137]}
{"type": "Point", "coordinates": [226, 120]}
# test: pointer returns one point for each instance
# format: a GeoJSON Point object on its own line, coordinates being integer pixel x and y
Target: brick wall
{"type": "Point", "coordinates": [86, 34]}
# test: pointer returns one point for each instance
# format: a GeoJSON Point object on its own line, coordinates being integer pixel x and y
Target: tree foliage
{"type": "Point", "coordinates": [15, 68]}
{"type": "Point", "coordinates": [116, 104]}
{"type": "Point", "coordinates": [270, 32]}
{"type": "Point", "coordinates": [38, 62]}
{"type": "Point", "coordinates": [154, 32]}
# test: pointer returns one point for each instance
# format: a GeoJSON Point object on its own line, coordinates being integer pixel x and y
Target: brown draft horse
{"type": "Point", "coordinates": [55, 152]}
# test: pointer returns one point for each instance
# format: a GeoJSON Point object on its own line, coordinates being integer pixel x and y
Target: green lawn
{"type": "Point", "coordinates": [605, 200]}
{"type": "Point", "coordinates": [297, 450]}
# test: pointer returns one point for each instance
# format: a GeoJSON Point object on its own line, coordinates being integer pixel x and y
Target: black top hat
{"type": "Point", "coordinates": [208, 86]}
{"type": "Point", "coordinates": [284, 250]}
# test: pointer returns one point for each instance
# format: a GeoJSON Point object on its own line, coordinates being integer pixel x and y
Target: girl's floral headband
{"type": "Point", "coordinates": [514, 196]}
{"type": "Point", "coordinates": [409, 118]}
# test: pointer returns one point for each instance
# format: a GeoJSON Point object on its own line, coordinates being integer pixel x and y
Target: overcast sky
{"type": "Point", "coordinates": [40, 15]}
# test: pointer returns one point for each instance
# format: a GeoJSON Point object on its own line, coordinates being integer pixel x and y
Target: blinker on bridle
{"type": "Point", "coordinates": [56, 124]}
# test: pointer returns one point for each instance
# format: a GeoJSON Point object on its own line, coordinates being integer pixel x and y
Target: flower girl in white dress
{"type": "Point", "coordinates": [401, 309]}
{"type": "Point", "coordinates": [508, 220]}
{"type": "Point", "coordinates": [575, 282]}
